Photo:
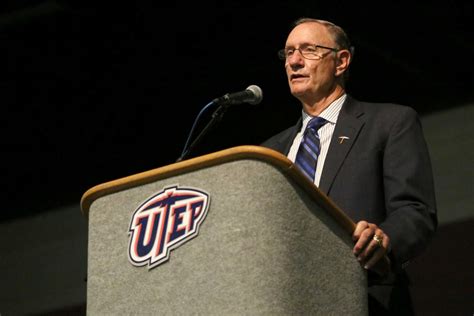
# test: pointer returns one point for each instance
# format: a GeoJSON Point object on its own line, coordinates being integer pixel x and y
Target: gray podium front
{"type": "Point", "coordinates": [236, 232]}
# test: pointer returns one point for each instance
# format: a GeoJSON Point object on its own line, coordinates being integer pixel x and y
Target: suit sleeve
{"type": "Point", "coordinates": [409, 190]}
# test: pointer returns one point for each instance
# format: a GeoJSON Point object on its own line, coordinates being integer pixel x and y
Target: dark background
{"type": "Point", "coordinates": [95, 92]}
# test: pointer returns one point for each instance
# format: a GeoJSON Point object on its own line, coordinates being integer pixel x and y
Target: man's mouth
{"type": "Point", "coordinates": [296, 76]}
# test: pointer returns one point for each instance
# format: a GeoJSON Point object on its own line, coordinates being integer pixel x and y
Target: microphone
{"type": "Point", "coordinates": [252, 95]}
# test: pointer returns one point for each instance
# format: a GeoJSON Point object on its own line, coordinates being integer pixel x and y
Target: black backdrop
{"type": "Point", "coordinates": [92, 93]}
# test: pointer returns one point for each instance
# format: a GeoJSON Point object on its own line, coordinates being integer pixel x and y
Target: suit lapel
{"type": "Point", "coordinates": [345, 134]}
{"type": "Point", "coordinates": [284, 144]}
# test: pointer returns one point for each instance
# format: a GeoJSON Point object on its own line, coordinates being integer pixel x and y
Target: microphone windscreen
{"type": "Point", "coordinates": [257, 92]}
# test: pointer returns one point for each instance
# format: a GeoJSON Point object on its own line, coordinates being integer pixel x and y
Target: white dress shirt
{"type": "Point", "coordinates": [330, 114]}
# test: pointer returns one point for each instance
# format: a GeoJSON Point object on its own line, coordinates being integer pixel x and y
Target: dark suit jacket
{"type": "Point", "coordinates": [382, 174]}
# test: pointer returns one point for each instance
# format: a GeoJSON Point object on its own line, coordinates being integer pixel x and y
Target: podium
{"type": "Point", "coordinates": [236, 232]}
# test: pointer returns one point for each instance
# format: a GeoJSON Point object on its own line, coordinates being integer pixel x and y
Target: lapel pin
{"type": "Point", "coordinates": [342, 138]}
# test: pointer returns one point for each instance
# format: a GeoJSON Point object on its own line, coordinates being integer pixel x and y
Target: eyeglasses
{"type": "Point", "coordinates": [308, 51]}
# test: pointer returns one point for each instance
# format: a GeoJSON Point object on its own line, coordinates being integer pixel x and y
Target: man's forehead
{"type": "Point", "coordinates": [308, 33]}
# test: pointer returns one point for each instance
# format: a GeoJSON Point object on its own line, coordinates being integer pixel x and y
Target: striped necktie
{"type": "Point", "coordinates": [308, 152]}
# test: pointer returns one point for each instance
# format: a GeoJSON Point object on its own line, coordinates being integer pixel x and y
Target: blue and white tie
{"type": "Point", "coordinates": [309, 150]}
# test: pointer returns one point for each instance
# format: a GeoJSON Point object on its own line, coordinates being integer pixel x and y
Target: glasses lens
{"type": "Point", "coordinates": [314, 52]}
{"type": "Point", "coordinates": [310, 52]}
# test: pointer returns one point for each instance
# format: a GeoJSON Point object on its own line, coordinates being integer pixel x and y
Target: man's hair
{"type": "Point", "coordinates": [337, 33]}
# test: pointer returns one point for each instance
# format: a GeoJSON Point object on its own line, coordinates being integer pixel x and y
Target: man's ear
{"type": "Point", "coordinates": [343, 59]}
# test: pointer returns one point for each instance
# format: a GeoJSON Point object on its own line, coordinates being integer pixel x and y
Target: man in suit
{"type": "Point", "coordinates": [372, 160]}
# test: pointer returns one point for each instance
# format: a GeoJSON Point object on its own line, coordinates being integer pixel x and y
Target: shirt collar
{"type": "Point", "coordinates": [330, 113]}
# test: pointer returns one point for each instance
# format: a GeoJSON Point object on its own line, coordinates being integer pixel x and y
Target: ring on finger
{"type": "Point", "coordinates": [378, 239]}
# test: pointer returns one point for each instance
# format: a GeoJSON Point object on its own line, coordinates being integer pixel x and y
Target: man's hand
{"type": "Point", "coordinates": [371, 246]}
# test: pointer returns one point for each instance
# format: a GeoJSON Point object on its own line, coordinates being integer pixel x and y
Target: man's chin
{"type": "Point", "coordinates": [298, 87]}
{"type": "Point", "coordinates": [297, 92]}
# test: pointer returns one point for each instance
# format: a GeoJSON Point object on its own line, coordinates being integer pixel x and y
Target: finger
{"type": "Point", "coordinates": [370, 244]}
{"type": "Point", "coordinates": [356, 235]}
{"type": "Point", "coordinates": [364, 239]}
{"type": "Point", "coordinates": [374, 248]}
{"type": "Point", "coordinates": [378, 254]}
{"type": "Point", "coordinates": [359, 229]}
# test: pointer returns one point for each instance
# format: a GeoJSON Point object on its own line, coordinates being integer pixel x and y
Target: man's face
{"type": "Point", "coordinates": [310, 80]}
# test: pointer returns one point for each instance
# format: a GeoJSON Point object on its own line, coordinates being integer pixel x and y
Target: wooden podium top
{"type": "Point", "coordinates": [235, 153]}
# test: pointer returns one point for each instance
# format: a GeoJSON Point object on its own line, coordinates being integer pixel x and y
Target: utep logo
{"type": "Point", "coordinates": [164, 222]}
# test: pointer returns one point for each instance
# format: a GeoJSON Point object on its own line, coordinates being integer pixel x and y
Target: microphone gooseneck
{"type": "Point", "coordinates": [252, 95]}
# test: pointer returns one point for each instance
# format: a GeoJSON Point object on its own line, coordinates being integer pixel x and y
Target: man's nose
{"type": "Point", "coordinates": [295, 59]}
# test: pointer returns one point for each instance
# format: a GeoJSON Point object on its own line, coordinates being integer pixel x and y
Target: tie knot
{"type": "Point", "coordinates": [315, 123]}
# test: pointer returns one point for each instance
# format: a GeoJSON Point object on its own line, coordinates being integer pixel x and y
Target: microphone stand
{"type": "Point", "coordinates": [216, 117]}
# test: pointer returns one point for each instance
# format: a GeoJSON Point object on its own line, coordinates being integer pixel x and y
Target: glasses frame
{"type": "Point", "coordinates": [283, 56]}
